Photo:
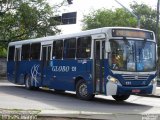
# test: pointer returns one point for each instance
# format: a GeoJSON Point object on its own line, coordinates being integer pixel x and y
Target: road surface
{"type": "Point", "coordinates": [17, 97]}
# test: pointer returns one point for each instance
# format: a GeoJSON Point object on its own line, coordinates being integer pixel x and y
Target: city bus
{"type": "Point", "coordinates": [115, 61]}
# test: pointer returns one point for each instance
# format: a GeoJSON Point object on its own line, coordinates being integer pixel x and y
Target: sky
{"type": "Point", "coordinates": [83, 7]}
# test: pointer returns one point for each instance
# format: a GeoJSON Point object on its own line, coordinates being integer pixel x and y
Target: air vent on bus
{"type": "Point", "coordinates": [135, 77]}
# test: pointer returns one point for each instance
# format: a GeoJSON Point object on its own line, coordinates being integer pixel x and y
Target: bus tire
{"type": "Point", "coordinates": [82, 91]}
{"type": "Point", "coordinates": [120, 98]}
{"type": "Point", "coordinates": [28, 83]}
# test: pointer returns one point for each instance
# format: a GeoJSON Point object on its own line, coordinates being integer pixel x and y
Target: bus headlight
{"type": "Point", "coordinates": [112, 79]}
{"type": "Point", "coordinates": [154, 81]}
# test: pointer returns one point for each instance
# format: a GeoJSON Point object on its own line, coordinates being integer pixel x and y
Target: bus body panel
{"type": "Point", "coordinates": [65, 73]}
{"type": "Point", "coordinates": [10, 71]}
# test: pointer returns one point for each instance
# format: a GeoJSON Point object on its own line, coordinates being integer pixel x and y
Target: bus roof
{"type": "Point", "coordinates": [82, 33]}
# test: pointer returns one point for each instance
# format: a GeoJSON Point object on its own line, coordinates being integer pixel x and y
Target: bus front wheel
{"type": "Point", "coordinates": [82, 91]}
{"type": "Point", "coordinates": [120, 98]}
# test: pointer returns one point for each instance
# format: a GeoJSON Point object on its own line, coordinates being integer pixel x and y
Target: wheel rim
{"type": "Point", "coordinates": [27, 83]}
{"type": "Point", "coordinates": [83, 90]}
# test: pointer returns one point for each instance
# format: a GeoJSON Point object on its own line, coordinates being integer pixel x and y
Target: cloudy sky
{"type": "Point", "coordinates": [83, 7]}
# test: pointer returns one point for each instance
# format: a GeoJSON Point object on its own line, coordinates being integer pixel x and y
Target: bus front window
{"type": "Point", "coordinates": [132, 55]}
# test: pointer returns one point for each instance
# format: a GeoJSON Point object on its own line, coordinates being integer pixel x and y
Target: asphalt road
{"type": "Point", "coordinates": [17, 97]}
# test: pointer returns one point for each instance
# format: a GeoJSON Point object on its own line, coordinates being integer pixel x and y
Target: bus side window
{"type": "Point", "coordinates": [84, 47]}
{"type": "Point", "coordinates": [26, 52]}
{"type": "Point", "coordinates": [35, 51]}
{"type": "Point", "coordinates": [69, 48]}
{"type": "Point", "coordinates": [11, 53]}
{"type": "Point", "coordinates": [57, 49]}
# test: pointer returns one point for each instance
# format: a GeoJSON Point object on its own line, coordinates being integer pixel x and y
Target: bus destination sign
{"type": "Point", "coordinates": [132, 33]}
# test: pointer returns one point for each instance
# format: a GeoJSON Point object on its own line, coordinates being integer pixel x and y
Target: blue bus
{"type": "Point", "coordinates": [116, 61]}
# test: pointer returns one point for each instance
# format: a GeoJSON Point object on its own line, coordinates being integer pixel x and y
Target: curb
{"type": "Point", "coordinates": [45, 114]}
{"type": "Point", "coordinates": [72, 115]}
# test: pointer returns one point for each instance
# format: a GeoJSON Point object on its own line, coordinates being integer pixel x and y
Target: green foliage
{"type": "Point", "coordinates": [3, 52]}
{"type": "Point", "coordinates": [107, 18]}
{"type": "Point", "coordinates": [120, 17]}
{"type": "Point", "coordinates": [147, 14]}
{"type": "Point", "coordinates": [25, 19]}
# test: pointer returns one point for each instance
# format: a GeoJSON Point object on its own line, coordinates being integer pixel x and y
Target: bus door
{"type": "Point", "coordinates": [45, 65]}
{"type": "Point", "coordinates": [98, 62]}
{"type": "Point", "coordinates": [17, 63]}
{"type": "Point", "coordinates": [99, 66]}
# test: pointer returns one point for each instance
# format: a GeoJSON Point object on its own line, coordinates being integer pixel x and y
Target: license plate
{"type": "Point", "coordinates": [136, 91]}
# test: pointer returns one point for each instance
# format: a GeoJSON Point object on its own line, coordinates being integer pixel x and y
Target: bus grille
{"type": "Point", "coordinates": [135, 77]}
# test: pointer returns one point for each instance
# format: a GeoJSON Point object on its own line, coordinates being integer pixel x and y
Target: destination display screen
{"type": "Point", "coordinates": [132, 33]}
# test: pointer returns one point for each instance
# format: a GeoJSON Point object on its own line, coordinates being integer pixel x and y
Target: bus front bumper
{"type": "Point", "coordinates": [115, 89]}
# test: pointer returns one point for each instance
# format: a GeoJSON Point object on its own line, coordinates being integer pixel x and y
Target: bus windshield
{"type": "Point", "coordinates": [132, 55]}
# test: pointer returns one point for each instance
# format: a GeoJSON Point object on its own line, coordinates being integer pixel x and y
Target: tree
{"type": "Point", "coordinates": [27, 19]}
{"type": "Point", "coordinates": [147, 14]}
{"type": "Point", "coordinates": [24, 19]}
{"type": "Point", "coordinates": [120, 17]}
{"type": "Point", "coordinates": [107, 18]}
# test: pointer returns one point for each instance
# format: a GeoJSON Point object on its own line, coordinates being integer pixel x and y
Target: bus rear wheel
{"type": "Point", "coordinates": [120, 98]}
{"type": "Point", "coordinates": [28, 83]}
{"type": "Point", "coordinates": [82, 91]}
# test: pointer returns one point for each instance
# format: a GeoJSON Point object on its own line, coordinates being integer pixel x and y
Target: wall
{"type": "Point", "coordinates": [3, 67]}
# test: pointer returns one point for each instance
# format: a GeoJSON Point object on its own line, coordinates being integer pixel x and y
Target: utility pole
{"type": "Point", "coordinates": [136, 16]}
{"type": "Point", "coordinates": [157, 22]}
{"type": "Point", "coordinates": [157, 31]}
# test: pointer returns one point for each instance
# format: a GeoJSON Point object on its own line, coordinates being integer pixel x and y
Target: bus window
{"type": "Point", "coordinates": [26, 52]}
{"type": "Point", "coordinates": [35, 51]}
{"type": "Point", "coordinates": [69, 48]}
{"type": "Point", "coordinates": [57, 49]}
{"type": "Point", "coordinates": [11, 53]}
{"type": "Point", "coordinates": [49, 53]}
{"type": "Point", "coordinates": [84, 47]}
